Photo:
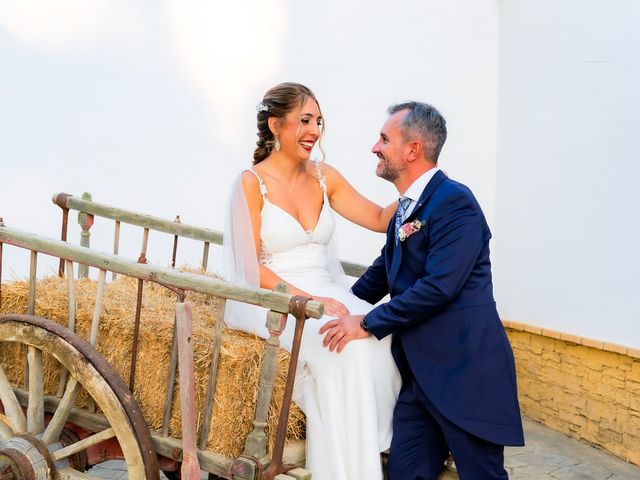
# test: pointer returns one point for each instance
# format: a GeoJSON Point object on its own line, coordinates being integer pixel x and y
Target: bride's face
{"type": "Point", "coordinates": [300, 130]}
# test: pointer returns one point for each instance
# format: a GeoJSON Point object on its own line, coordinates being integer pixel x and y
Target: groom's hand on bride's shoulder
{"type": "Point", "coordinates": [341, 331]}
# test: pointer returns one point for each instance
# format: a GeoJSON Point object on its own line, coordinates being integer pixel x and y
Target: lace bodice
{"type": "Point", "coordinates": [281, 232]}
{"type": "Point", "coordinates": [285, 246]}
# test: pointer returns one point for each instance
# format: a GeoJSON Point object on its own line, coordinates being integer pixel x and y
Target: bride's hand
{"type": "Point", "coordinates": [332, 306]}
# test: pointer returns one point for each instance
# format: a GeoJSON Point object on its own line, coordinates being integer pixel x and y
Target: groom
{"type": "Point", "coordinates": [458, 375]}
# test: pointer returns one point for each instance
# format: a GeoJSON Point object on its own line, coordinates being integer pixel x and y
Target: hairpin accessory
{"type": "Point", "coordinates": [261, 107]}
{"type": "Point", "coordinates": [408, 229]}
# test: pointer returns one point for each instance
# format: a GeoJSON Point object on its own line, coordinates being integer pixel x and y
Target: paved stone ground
{"type": "Point", "coordinates": [548, 455]}
{"type": "Point", "coordinates": [551, 455]}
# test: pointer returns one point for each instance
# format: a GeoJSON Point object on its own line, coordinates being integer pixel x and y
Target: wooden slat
{"type": "Point", "coordinates": [71, 297]}
{"type": "Point", "coordinates": [171, 381]}
{"type": "Point", "coordinates": [5, 431]}
{"type": "Point", "coordinates": [213, 375]}
{"type": "Point", "coordinates": [353, 269]}
{"type": "Point", "coordinates": [31, 306]}
{"type": "Point", "coordinates": [209, 461]}
{"type": "Point", "coordinates": [71, 321]}
{"type": "Point", "coordinates": [190, 467]}
{"type": "Point", "coordinates": [33, 266]}
{"type": "Point", "coordinates": [205, 256]}
{"type": "Point", "coordinates": [184, 280]}
{"type": "Point", "coordinates": [116, 244]}
{"type": "Point", "coordinates": [142, 220]}
{"type": "Point", "coordinates": [294, 452]}
{"type": "Point", "coordinates": [145, 242]}
{"type": "Point", "coordinates": [35, 410]}
{"type": "Point", "coordinates": [84, 444]}
{"type": "Point", "coordinates": [298, 474]}
{"type": "Point", "coordinates": [95, 322]}
{"type": "Point", "coordinates": [63, 411]}
{"type": "Point", "coordinates": [12, 408]}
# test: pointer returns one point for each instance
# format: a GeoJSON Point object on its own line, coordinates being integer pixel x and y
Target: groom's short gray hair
{"type": "Point", "coordinates": [425, 123]}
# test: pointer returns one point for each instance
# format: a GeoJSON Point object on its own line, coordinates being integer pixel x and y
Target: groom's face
{"type": "Point", "coordinates": [390, 148]}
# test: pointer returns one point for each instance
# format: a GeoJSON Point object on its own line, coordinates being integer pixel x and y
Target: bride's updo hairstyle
{"type": "Point", "coordinates": [277, 102]}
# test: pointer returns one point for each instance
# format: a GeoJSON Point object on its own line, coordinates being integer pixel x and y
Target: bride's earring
{"type": "Point", "coordinates": [277, 144]}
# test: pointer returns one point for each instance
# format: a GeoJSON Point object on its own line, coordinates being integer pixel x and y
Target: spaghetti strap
{"type": "Point", "coordinates": [263, 187]}
{"type": "Point", "coordinates": [321, 179]}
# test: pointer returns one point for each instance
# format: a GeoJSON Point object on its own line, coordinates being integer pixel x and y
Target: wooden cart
{"type": "Point", "coordinates": [51, 437]}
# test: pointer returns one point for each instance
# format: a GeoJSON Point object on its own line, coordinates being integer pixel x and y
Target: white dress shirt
{"type": "Point", "coordinates": [417, 187]}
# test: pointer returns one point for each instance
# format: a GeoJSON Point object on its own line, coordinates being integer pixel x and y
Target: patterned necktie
{"type": "Point", "coordinates": [403, 205]}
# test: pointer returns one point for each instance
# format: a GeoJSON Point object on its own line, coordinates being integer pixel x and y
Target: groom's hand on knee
{"type": "Point", "coordinates": [341, 331]}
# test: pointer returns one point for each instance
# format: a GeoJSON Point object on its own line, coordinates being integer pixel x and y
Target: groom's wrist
{"type": "Point", "coordinates": [364, 325]}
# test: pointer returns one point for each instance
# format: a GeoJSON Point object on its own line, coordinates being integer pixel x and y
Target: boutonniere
{"type": "Point", "coordinates": [409, 229]}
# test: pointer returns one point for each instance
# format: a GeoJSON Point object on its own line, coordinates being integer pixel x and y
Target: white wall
{"type": "Point", "coordinates": [567, 206]}
{"type": "Point", "coordinates": [151, 106]}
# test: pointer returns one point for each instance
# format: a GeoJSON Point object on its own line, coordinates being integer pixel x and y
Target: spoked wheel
{"type": "Point", "coordinates": [29, 449]}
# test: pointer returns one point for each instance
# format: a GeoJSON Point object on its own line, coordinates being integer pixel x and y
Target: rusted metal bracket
{"type": "Point", "coordinates": [136, 328]}
{"type": "Point", "coordinates": [175, 245]}
{"type": "Point", "coordinates": [61, 200]}
{"type": "Point", "coordinates": [246, 467]}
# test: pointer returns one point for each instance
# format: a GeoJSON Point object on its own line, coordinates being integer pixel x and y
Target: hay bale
{"type": "Point", "coordinates": [239, 367]}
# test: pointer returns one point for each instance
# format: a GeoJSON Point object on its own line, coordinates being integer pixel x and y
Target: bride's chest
{"type": "Point", "coordinates": [279, 231]}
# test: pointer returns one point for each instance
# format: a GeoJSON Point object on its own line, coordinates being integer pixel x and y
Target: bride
{"type": "Point", "coordinates": [280, 230]}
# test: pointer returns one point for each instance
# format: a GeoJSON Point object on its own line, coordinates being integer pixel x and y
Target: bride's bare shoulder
{"type": "Point", "coordinates": [328, 171]}
{"type": "Point", "coordinates": [249, 178]}
{"type": "Point", "coordinates": [251, 186]}
{"type": "Point", "coordinates": [331, 174]}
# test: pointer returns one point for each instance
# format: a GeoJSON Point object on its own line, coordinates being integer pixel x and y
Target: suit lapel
{"type": "Point", "coordinates": [396, 259]}
{"type": "Point", "coordinates": [431, 187]}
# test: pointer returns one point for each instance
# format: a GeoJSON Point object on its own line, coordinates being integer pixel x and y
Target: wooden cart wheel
{"type": "Point", "coordinates": [29, 449]}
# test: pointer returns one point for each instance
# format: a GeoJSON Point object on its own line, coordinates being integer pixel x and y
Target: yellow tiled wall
{"type": "Point", "coordinates": [587, 389]}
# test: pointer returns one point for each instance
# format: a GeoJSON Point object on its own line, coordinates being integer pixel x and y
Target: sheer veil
{"type": "Point", "coordinates": [240, 263]}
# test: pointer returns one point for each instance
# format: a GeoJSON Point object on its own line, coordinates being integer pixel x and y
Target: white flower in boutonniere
{"type": "Point", "coordinates": [409, 229]}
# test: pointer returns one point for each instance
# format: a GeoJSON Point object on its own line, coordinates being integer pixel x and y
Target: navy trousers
{"type": "Point", "coordinates": [422, 439]}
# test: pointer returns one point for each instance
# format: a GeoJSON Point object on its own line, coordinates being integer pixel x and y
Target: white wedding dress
{"type": "Point", "coordinates": [348, 397]}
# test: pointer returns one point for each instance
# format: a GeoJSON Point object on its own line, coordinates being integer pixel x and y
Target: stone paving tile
{"type": "Point", "coordinates": [113, 469]}
{"type": "Point", "coordinates": [548, 455]}
{"type": "Point", "coordinates": [513, 462]}
{"type": "Point", "coordinates": [570, 458]}
{"type": "Point", "coordinates": [526, 476]}
{"type": "Point", "coordinates": [543, 458]}
{"type": "Point", "coordinates": [582, 472]}
{"type": "Point", "coordinates": [541, 471]}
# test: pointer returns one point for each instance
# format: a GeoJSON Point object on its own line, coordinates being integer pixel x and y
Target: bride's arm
{"type": "Point", "coordinates": [268, 278]}
{"type": "Point", "coordinates": [353, 206]}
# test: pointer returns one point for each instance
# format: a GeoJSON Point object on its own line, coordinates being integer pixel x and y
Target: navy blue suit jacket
{"type": "Point", "coordinates": [445, 326]}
